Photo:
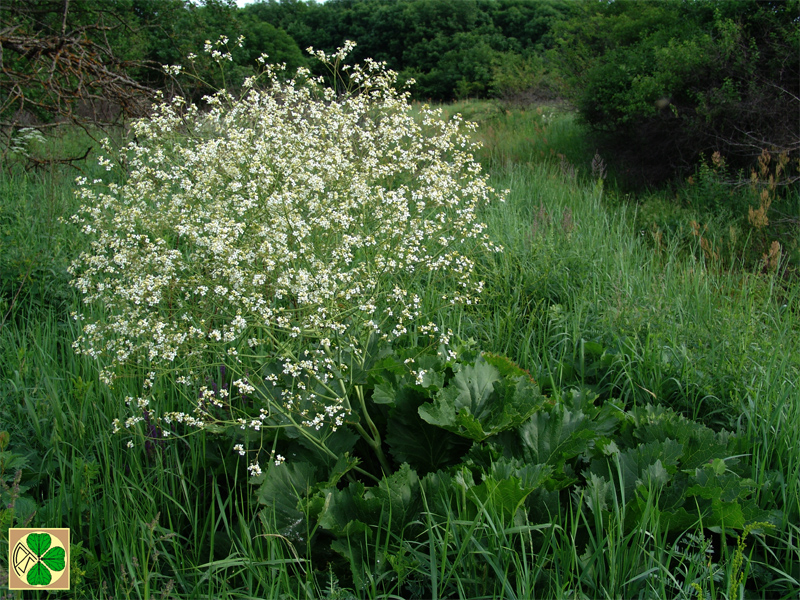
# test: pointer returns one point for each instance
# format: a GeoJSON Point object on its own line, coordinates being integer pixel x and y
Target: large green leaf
{"type": "Point", "coordinates": [505, 495]}
{"type": "Point", "coordinates": [355, 508]}
{"type": "Point", "coordinates": [384, 393]}
{"type": "Point", "coordinates": [39, 543]}
{"type": "Point", "coordinates": [39, 575]}
{"type": "Point", "coordinates": [553, 437]}
{"type": "Point", "coordinates": [55, 559]}
{"type": "Point", "coordinates": [422, 445]}
{"type": "Point", "coordinates": [281, 490]}
{"type": "Point", "coordinates": [677, 519]}
{"type": "Point", "coordinates": [391, 373]}
{"type": "Point", "coordinates": [478, 402]}
{"type": "Point", "coordinates": [472, 387]}
{"type": "Point", "coordinates": [354, 513]}
{"type": "Point", "coordinates": [507, 485]}
{"type": "Point", "coordinates": [530, 476]}
{"type": "Point", "coordinates": [399, 493]}
{"type": "Point", "coordinates": [703, 446]}
{"type": "Point", "coordinates": [700, 443]}
{"type": "Point", "coordinates": [438, 489]}
{"type": "Point", "coordinates": [346, 512]}
{"type": "Point", "coordinates": [649, 464]}
{"type": "Point", "coordinates": [723, 486]}
{"type": "Point", "coordinates": [599, 494]}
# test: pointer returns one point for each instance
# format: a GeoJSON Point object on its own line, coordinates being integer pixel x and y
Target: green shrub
{"type": "Point", "coordinates": [663, 82]}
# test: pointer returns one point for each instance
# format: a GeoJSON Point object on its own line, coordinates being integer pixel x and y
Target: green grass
{"type": "Point", "coordinates": [579, 297]}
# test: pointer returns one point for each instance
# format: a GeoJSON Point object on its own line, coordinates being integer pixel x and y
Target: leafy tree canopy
{"type": "Point", "coordinates": [666, 82]}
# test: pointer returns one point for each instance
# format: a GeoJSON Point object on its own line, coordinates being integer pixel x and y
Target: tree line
{"type": "Point", "coordinates": [659, 83]}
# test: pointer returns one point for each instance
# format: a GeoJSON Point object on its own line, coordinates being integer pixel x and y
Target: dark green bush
{"type": "Point", "coordinates": [662, 83]}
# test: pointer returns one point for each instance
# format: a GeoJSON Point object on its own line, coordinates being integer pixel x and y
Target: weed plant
{"type": "Point", "coordinates": [734, 221]}
{"type": "Point", "coordinates": [604, 320]}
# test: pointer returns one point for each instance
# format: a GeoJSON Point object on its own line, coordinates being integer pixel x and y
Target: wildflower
{"type": "Point", "coordinates": [285, 223]}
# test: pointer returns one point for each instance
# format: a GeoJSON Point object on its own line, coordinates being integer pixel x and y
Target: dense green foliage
{"type": "Point", "coordinates": [663, 83]}
{"type": "Point", "coordinates": [616, 417]}
{"type": "Point", "coordinates": [450, 47]}
{"type": "Point", "coordinates": [662, 450]}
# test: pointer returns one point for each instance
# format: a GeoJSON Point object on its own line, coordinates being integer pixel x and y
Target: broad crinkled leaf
{"type": "Point", "coordinates": [635, 464]}
{"type": "Point", "coordinates": [433, 376]}
{"type": "Point", "coordinates": [506, 495]}
{"type": "Point", "coordinates": [384, 393]}
{"type": "Point", "coordinates": [441, 413]}
{"type": "Point", "coordinates": [281, 490]}
{"type": "Point", "coordinates": [435, 487]}
{"type": "Point", "coordinates": [343, 465]}
{"type": "Point", "coordinates": [555, 436]}
{"type": "Point", "coordinates": [355, 508]}
{"type": "Point", "coordinates": [655, 476]}
{"type": "Point", "coordinates": [399, 494]}
{"type": "Point", "coordinates": [478, 402]}
{"type": "Point", "coordinates": [725, 514]}
{"type": "Point", "coordinates": [727, 487]}
{"type": "Point", "coordinates": [704, 445]}
{"type": "Point", "coordinates": [530, 476]}
{"type": "Point", "coordinates": [472, 387]}
{"type": "Point", "coordinates": [349, 510]}
{"type": "Point", "coordinates": [700, 443]}
{"type": "Point", "coordinates": [680, 519]}
{"type": "Point", "coordinates": [508, 484]}
{"type": "Point", "coordinates": [599, 494]}
{"type": "Point", "coordinates": [424, 446]}
{"type": "Point", "coordinates": [721, 497]}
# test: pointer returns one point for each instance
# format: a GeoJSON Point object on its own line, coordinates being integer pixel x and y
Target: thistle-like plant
{"type": "Point", "coordinates": [295, 225]}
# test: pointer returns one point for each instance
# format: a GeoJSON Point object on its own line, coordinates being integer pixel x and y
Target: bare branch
{"type": "Point", "coordinates": [62, 72]}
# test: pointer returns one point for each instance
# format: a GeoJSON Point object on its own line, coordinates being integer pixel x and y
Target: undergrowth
{"type": "Point", "coordinates": [661, 457]}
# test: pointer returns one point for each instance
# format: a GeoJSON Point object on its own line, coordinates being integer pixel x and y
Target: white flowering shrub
{"type": "Point", "coordinates": [291, 224]}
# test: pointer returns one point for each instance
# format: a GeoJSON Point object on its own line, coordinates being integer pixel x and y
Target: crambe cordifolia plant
{"type": "Point", "coordinates": [286, 234]}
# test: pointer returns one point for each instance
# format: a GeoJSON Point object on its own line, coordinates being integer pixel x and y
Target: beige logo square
{"type": "Point", "coordinates": [38, 559]}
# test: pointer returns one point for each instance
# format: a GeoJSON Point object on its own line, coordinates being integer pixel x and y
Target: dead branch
{"type": "Point", "coordinates": [54, 75]}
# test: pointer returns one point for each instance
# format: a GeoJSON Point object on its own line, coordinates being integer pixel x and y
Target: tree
{"type": "Point", "coordinates": [450, 47]}
{"type": "Point", "coordinates": [58, 62]}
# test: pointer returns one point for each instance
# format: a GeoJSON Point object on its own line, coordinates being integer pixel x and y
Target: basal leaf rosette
{"type": "Point", "coordinates": [296, 224]}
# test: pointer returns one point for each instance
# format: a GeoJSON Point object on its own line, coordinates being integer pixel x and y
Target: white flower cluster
{"type": "Point", "coordinates": [22, 140]}
{"type": "Point", "coordinates": [293, 217]}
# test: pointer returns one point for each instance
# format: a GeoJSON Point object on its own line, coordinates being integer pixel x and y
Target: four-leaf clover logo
{"type": "Point", "coordinates": [38, 559]}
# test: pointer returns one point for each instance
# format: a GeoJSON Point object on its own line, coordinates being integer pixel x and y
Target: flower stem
{"type": "Point", "coordinates": [373, 437]}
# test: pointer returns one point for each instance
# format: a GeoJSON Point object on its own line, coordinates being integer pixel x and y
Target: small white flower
{"type": "Point", "coordinates": [268, 235]}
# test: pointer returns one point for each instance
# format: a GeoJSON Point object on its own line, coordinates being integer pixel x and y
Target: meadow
{"type": "Point", "coordinates": [642, 438]}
